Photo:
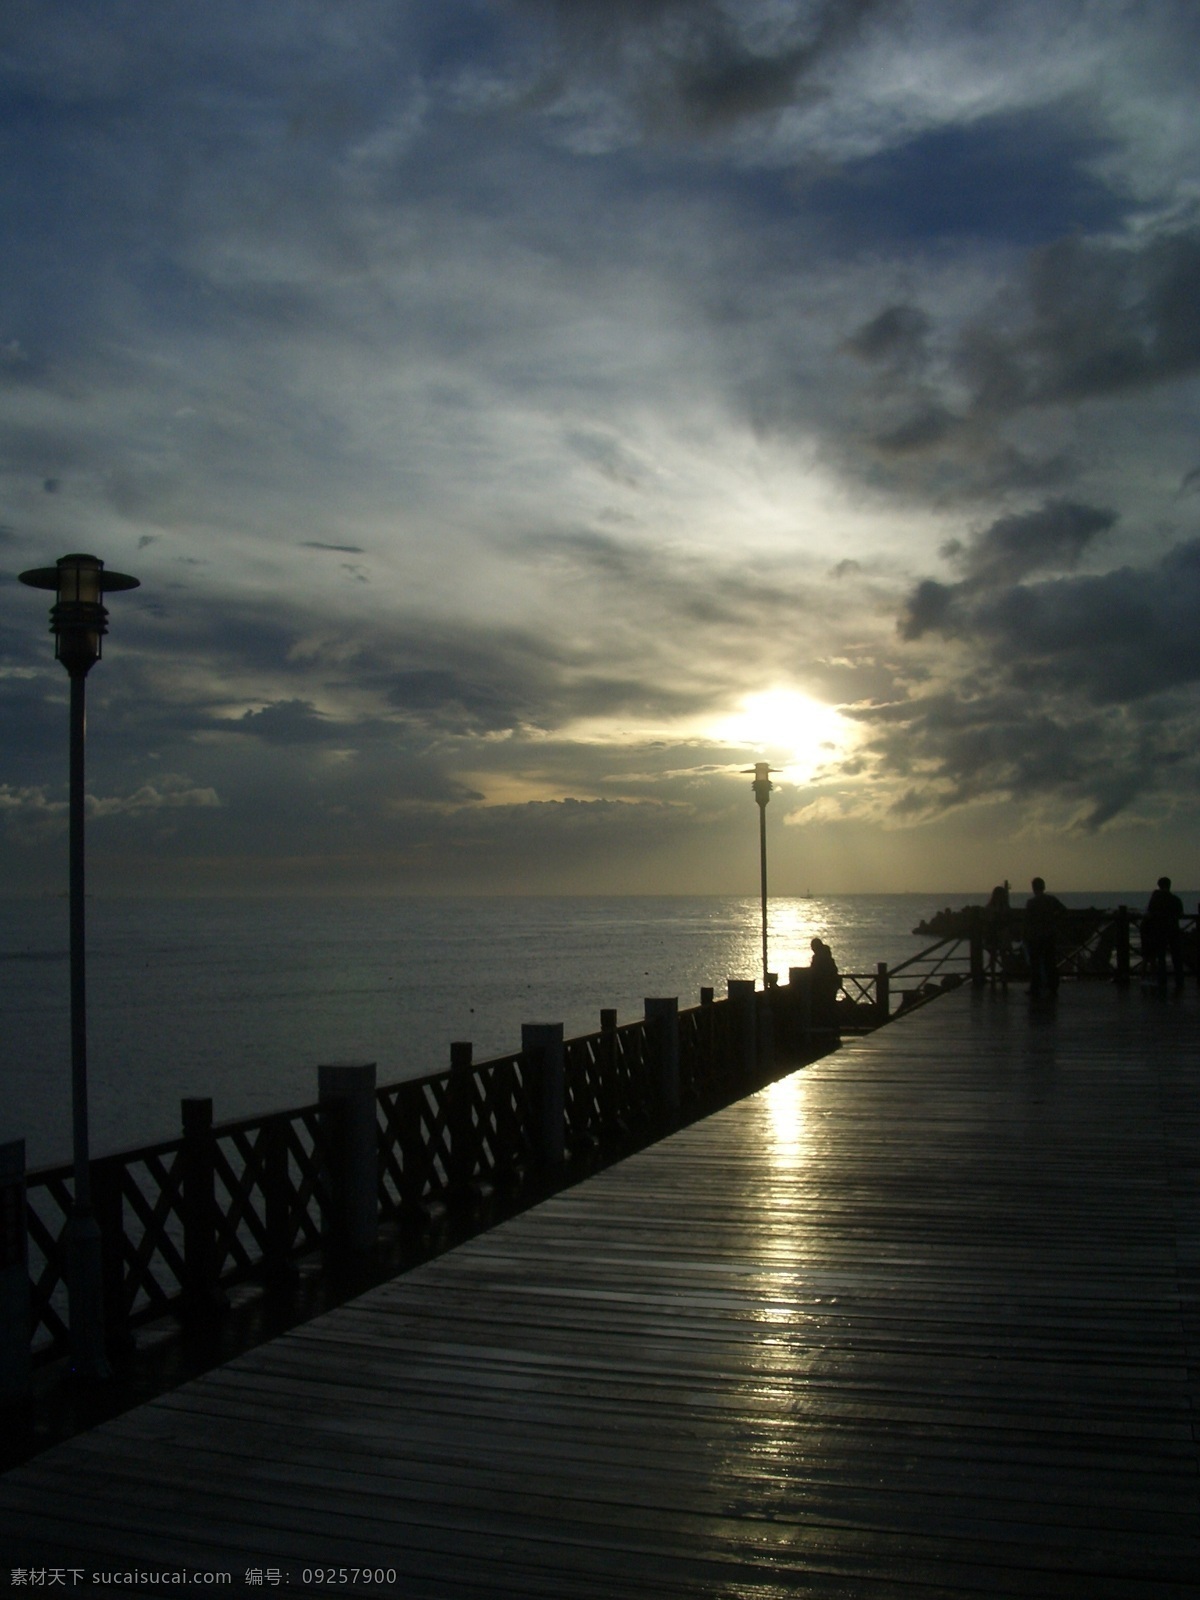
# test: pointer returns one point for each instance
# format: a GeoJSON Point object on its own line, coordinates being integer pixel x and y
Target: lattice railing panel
{"type": "Point", "coordinates": [590, 1106]}
{"type": "Point", "coordinates": [138, 1206]}
{"type": "Point", "coordinates": [635, 1092]}
{"type": "Point", "coordinates": [414, 1143]}
{"type": "Point", "coordinates": [501, 1120]}
{"type": "Point", "coordinates": [859, 988]}
{"type": "Point", "coordinates": [271, 1190]}
{"type": "Point", "coordinates": [700, 1029]}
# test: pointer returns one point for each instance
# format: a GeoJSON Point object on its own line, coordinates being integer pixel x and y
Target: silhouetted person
{"type": "Point", "coordinates": [1160, 932]}
{"type": "Point", "coordinates": [1041, 938]}
{"type": "Point", "coordinates": [825, 981]}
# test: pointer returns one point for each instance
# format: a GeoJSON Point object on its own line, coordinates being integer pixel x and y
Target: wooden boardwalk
{"type": "Point", "coordinates": [921, 1320]}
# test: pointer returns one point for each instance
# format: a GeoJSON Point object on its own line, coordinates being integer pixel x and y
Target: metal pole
{"type": "Point", "coordinates": [78, 621]}
{"type": "Point", "coordinates": [762, 850]}
{"type": "Point", "coordinates": [84, 1278]}
{"type": "Point", "coordinates": [762, 787]}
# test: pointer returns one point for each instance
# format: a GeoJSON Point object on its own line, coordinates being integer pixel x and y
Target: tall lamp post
{"type": "Point", "coordinates": [78, 621]}
{"type": "Point", "coordinates": [762, 787]}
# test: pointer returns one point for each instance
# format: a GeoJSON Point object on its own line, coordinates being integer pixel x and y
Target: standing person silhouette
{"type": "Point", "coordinates": [1160, 932]}
{"type": "Point", "coordinates": [825, 980]}
{"type": "Point", "coordinates": [1041, 942]}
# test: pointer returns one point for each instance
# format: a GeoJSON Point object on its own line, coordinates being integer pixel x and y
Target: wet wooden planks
{"type": "Point", "coordinates": [919, 1320]}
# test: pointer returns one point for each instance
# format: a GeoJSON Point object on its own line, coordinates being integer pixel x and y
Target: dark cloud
{"type": "Point", "coordinates": [1081, 320]}
{"type": "Point", "coordinates": [926, 426]}
{"type": "Point", "coordinates": [928, 608]}
{"type": "Point", "coordinates": [285, 722]}
{"type": "Point", "coordinates": [1051, 539]}
{"type": "Point", "coordinates": [339, 549]}
{"type": "Point", "coordinates": [726, 81]}
{"type": "Point", "coordinates": [499, 694]}
{"type": "Point", "coordinates": [1115, 638]}
{"type": "Point", "coordinates": [896, 336]}
{"type": "Point", "coordinates": [948, 750]}
{"type": "Point", "coordinates": [1086, 688]}
{"type": "Point", "coordinates": [699, 64]}
{"type": "Point", "coordinates": [1098, 319]}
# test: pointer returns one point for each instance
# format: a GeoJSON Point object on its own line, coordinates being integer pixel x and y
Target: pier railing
{"type": "Point", "coordinates": [185, 1221]}
{"type": "Point", "coordinates": [1111, 945]}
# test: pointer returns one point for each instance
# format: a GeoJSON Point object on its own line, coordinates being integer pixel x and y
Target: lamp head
{"type": "Point", "coordinates": [762, 784]}
{"type": "Point", "coordinates": [78, 619]}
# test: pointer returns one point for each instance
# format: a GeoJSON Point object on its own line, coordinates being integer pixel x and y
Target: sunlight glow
{"type": "Point", "coordinates": [798, 734]}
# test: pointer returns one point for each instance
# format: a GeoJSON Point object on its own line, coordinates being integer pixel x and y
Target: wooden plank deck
{"type": "Point", "coordinates": [921, 1320]}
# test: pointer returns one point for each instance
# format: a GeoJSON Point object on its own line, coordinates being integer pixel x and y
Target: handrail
{"type": "Point", "coordinates": [266, 1190]}
{"type": "Point", "coordinates": [954, 941]}
{"type": "Point", "coordinates": [188, 1219]}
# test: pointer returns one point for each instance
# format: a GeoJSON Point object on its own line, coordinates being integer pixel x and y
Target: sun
{"type": "Point", "coordinates": [796, 733]}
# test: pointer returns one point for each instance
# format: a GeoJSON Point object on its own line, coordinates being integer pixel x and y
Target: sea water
{"type": "Point", "coordinates": [242, 999]}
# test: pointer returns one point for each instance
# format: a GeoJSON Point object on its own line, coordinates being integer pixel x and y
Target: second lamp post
{"type": "Point", "coordinates": [762, 787]}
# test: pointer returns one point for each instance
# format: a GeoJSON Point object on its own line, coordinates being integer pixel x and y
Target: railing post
{"type": "Point", "coordinates": [459, 1121]}
{"type": "Point", "coordinates": [15, 1301]}
{"type": "Point", "coordinates": [202, 1296]}
{"type": "Point", "coordinates": [978, 976]}
{"type": "Point", "coordinates": [883, 994]}
{"type": "Point", "coordinates": [346, 1091]}
{"type": "Point", "coordinates": [709, 1070]}
{"type": "Point", "coordinates": [542, 1046]}
{"type": "Point", "coordinates": [662, 1023]}
{"type": "Point", "coordinates": [745, 1044]}
{"type": "Point", "coordinates": [278, 1266]}
{"type": "Point", "coordinates": [1122, 926]}
{"type": "Point", "coordinates": [606, 1065]}
{"type": "Point", "coordinates": [108, 1204]}
{"type": "Point", "coordinates": [800, 1007]}
{"type": "Point", "coordinates": [764, 1008]}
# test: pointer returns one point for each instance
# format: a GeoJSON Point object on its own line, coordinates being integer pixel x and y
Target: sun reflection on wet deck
{"type": "Point", "coordinates": [786, 1128]}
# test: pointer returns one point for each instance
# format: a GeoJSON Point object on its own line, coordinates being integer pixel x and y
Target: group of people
{"type": "Point", "coordinates": [1162, 939]}
{"type": "Point", "coordinates": [1161, 933]}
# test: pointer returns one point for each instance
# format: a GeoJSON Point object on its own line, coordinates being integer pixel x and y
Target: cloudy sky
{"type": "Point", "coordinates": [523, 415]}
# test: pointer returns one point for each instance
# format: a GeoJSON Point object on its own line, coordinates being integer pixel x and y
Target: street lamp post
{"type": "Point", "coordinates": [79, 621]}
{"type": "Point", "coordinates": [762, 787]}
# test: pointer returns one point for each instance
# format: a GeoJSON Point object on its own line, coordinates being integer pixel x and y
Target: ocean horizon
{"type": "Point", "coordinates": [241, 999]}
